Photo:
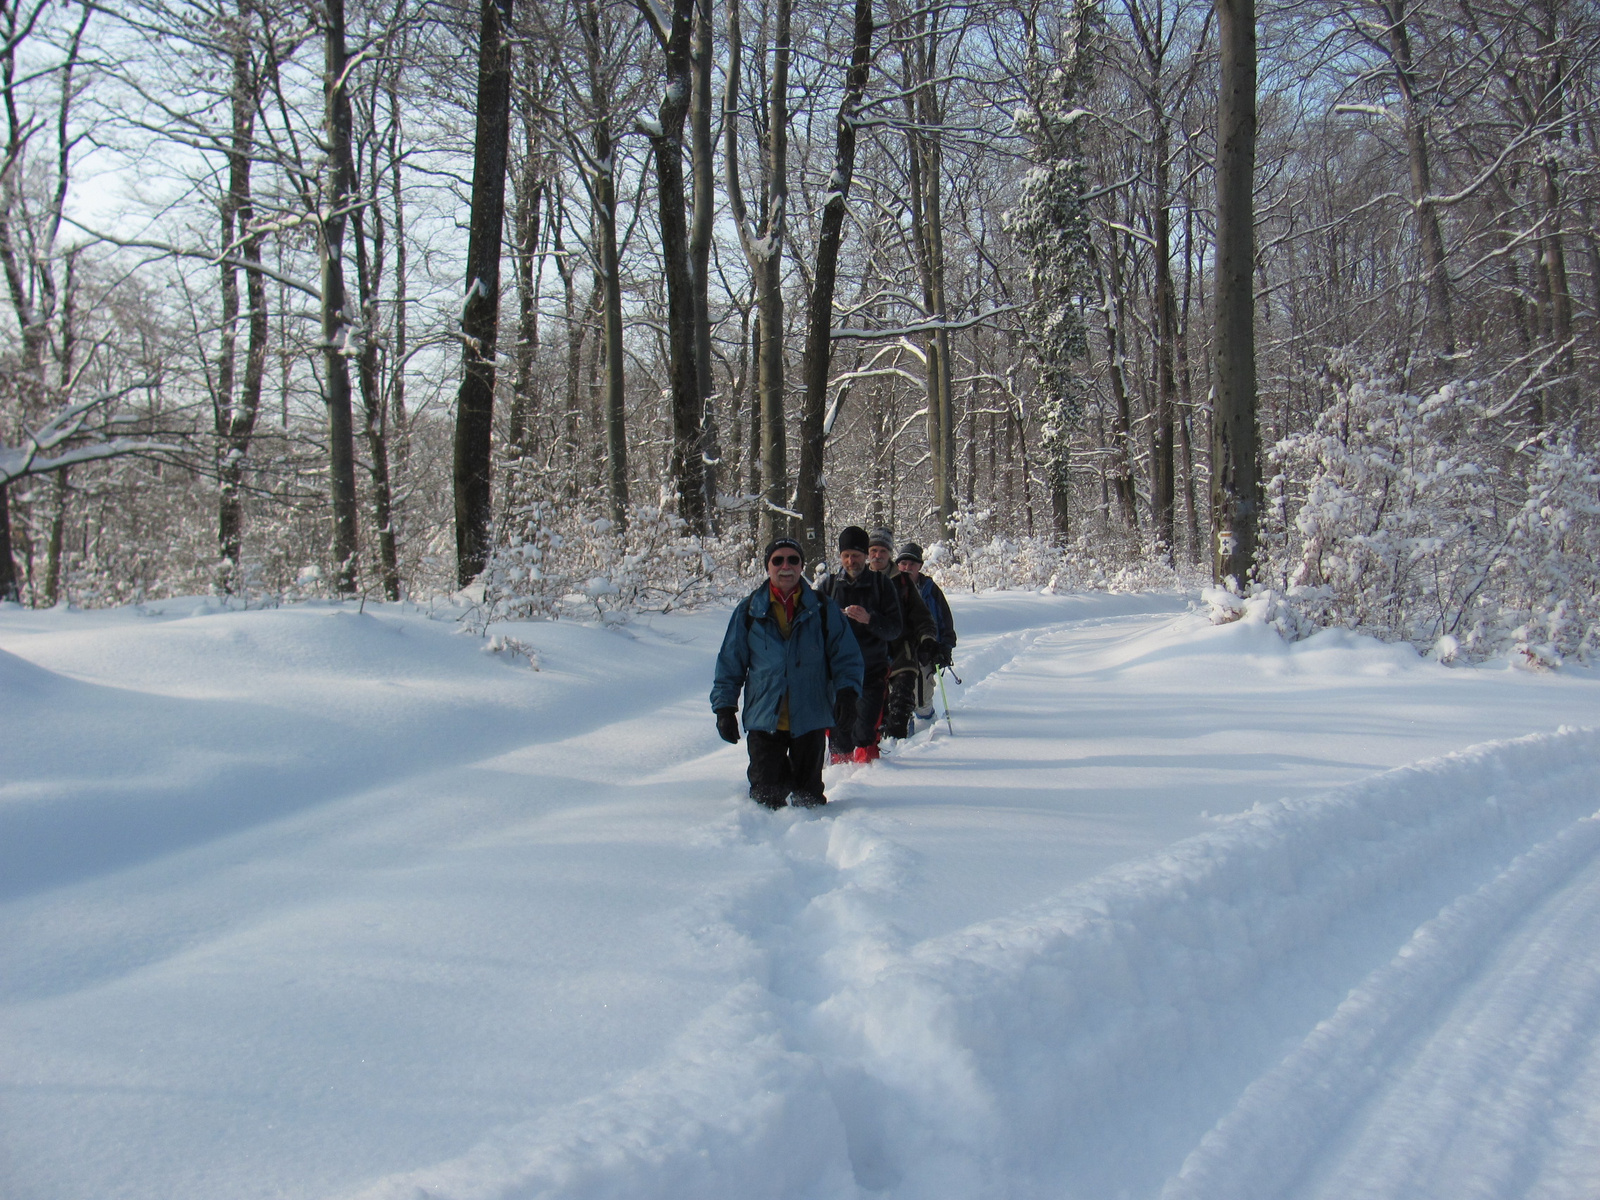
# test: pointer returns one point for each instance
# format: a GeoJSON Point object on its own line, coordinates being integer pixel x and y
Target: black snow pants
{"type": "Point", "coordinates": [781, 762]}
{"type": "Point", "coordinates": [869, 707]}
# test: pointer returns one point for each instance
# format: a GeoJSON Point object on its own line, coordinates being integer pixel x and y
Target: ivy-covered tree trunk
{"type": "Point", "coordinates": [1051, 222]}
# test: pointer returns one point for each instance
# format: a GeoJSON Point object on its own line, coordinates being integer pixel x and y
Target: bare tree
{"type": "Point", "coordinates": [824, 282]}
{"type": "Point", "coordinates": [762, 240]}
{"type": "Point", "coordinates": [674, 34]}
{"type": "Point", "coordinates": [1235, 481]}
{"type": "Point", "coordinates": [480, 314]}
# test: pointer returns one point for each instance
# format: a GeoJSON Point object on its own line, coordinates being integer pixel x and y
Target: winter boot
{"type": "Point", "coordinates": [835, 758]}
{"type": "Point", "coordinates": [866, 754]}
{"type": "Point", "coordinates": [769, 795]}
{"type": "Point", "coordinates": [897, 720]}
{"type": "Point", "coordinates": [807, 799]}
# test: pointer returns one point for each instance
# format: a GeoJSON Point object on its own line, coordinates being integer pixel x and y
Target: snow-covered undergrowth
{"type": "Point", "coordinates": [1414, 518]}
{"type": "Point", "coordinates": [319, 903]}
{"type": "Point", "coordinates": [980, 558]}
{"type": "Point", "coordinates": [561, 562]}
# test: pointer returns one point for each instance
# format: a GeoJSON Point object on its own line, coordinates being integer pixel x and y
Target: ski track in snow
{"type": "Point", "coordinates": [1389, 989]}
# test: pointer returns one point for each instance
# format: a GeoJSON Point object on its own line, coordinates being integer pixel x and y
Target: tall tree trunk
{"type": "Point", "coordinates": [577, 330]}
{"type": "Point", "coordinates": [60, 491]}
{"type": "Point", "coordinates": [527, 224]}
{"type": "Point", "coordinates": [375, 422]}
{"type": "Point", "coordinates": [750, 372]}
{"type": "Point", "coordinates": [687, 464]}
{"type": "Point", "coordinates": [927, 217]}
{"type": "Point", "coordinates": [603, 188]}
{"type": "Point", "coordinates": [398, 363]}
{"type": "Point", "coordinates": [1441, 318]}
{"type": "Point", "coordinates": [1163, 480]}
{"type": "Point", "coordinates": [480, 317]}
{"type": "Point", "coordinates": [339, 186]}
{"type": "Point", "coordinates": [925, 114]}
{"type": "Point", "coordinates": [702, 158]}
{"type": "Point", "coordinates": [236, 412]}
{"type": "Point", "coordinates": [1110, 285]}
{"type": "Point", "coordinates": [763, 251]}
{"type": "Point", "coordinates": [1186, 387]}
{"type": "Point", "coordinates": [819, 317]}
{"type": "Point", "coordinates": [1235, 470]}
{"type": "Point", "coordinates": [9, 591]}
{"type": "Point", "coordinates": [1552, 249]}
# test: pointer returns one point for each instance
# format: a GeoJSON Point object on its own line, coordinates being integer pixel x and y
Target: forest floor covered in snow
{"type": "Point", "coordinates": [317, 902]}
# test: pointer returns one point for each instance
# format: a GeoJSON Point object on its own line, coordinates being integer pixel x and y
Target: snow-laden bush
{"type": "Point", "coordinates": [564, 563]}
{"type": "Point", "coordinates": [978, 558]}
{"type": "Point", "coordinates": [1416, 518]}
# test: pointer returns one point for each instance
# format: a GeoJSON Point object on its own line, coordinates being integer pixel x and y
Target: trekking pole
{"type": "Point", "coordinates": [946, 700]}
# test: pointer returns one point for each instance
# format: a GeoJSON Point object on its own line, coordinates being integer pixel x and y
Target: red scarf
{"type": "Point", "coordinates": [789, 602]}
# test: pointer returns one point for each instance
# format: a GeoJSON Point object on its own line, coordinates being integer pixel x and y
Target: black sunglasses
{"type": "Point", "coordinates": [785, 560]}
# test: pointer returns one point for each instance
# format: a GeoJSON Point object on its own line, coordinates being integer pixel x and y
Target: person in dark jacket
{"type": "Point", "coordinates": [917, 641]}
{"type": "Point", "coordinates": [941, 652]}
{"type": "Point", "coordinates": [868, 599]}
{"type": "Point", "coordinates": [789, 650]}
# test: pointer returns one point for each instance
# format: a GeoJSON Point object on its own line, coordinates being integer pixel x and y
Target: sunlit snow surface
{"type": "Point", "coordinates": [317, 902]}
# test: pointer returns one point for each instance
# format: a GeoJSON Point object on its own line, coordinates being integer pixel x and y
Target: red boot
{"type": "Point", "coordinates": [866, 754]}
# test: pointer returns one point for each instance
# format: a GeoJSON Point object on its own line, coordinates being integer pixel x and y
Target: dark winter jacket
{"type": "Point", "coordinates": [809, 667]}
{"type": "Point", "coordinates": [933, 597]}
{"type": "Point", "coordinates": [918, 625]}
{"type": "Point", "coordinates": [873, 592]}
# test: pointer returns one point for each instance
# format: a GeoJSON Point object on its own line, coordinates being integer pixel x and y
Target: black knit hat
{"type": "Point", "coordinates": [781, 543]}
{"type": "Point", "coordinates": [910, 551]}
{"type": "Point", "coordinates": [853, 537]}
{"type": "Point", "coordinates": [881, 537]}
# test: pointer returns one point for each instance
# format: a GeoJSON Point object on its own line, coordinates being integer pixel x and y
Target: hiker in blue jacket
{"type": "Point", "coordinates": [790, 650]}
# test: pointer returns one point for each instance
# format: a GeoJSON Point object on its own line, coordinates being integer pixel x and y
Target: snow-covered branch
{"type": "Point", "coordinates": [900, 331]}
{"type": "Point", "coordinates": [45, 448]}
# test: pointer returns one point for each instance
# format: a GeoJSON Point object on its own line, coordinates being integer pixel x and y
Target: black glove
{"type": "Point", "coordinates": [844, 710]}
{"type": "Point", "coordinates": [947, 656]}
{"type": "Point", "coordinates": [728, 724]}
{"type": "Point", "coordinates": [928, 653]}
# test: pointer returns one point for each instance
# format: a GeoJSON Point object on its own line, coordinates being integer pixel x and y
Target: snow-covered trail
{"type": "Point", "coordinates": [542, 947]}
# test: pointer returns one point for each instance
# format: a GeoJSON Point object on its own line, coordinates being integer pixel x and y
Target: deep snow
{"type": "Point", "coordinates": [317, 902]}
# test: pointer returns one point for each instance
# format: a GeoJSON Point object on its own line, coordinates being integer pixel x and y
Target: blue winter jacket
{"type": "Point", "coordinates": [933, 597]}
{"type": "Point", "coordinates": [756, 657]}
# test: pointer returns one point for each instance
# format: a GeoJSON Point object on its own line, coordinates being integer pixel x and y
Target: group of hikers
{"type": "Point", "coordinates": [826, 670]}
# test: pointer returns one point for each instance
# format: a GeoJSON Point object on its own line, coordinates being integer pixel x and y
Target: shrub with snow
{"type": "Point", "coordinates": [1426, 519]}
{"type": "Point", "coordinates": [564, 563]}
{"type": "Point", "coordinates": [980, 558]}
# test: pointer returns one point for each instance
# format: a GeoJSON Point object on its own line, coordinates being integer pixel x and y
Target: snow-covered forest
{"type": "Point", "coordinates": [395, 397]}
{"type": "Point", "coordinates": [781, 266]}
